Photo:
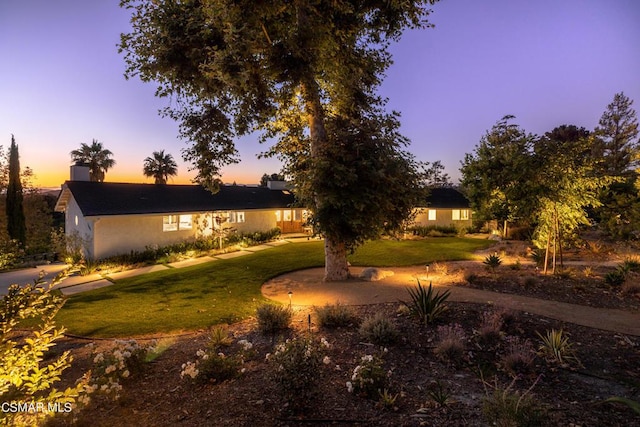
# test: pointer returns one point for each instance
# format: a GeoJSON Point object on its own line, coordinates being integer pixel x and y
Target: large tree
{"type": "Point", "coordinates": [495, 177]}
{"type": "Point", "coordinates": [15, 211]}
{"type": "Point", "coordinates": [305, 72]}
{"type": "Point", "coordinates": [96, 157]}
{"type": "Point", "coordinates": [160, 167]}
{"type": "Point", "coordinates": [617, 144]}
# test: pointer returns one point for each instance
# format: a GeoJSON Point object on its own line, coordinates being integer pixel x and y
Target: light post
{"type": "Point", "coordinates": [290, 295]}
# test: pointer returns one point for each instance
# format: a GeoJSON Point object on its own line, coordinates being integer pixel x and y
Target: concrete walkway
{"type": "Point", "coordinates": [307, 288]}
{"type": "Point", "coordinates": [76, 283]}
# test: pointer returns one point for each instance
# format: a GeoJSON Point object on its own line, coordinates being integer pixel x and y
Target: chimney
{"type": "Point", "coordinates": [277, 185]}
{"type": "Point", "coordinates": [79, 173]}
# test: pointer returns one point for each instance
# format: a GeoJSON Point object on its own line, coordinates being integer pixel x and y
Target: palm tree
{"type": "Point", "coordinates": [160, 167]}
{"type": "Point", "coordinates": [96, 157]}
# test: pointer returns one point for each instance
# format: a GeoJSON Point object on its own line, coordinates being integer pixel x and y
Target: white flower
{"type": "Point", "coordinates": [246, 345]}
{"type": "Point", "coordinates": [367, 358]}
{"type": "Point", "coordinates": [109, 369]}
{"type": "Point", "coordinates": [99, 358]}
{"type": "Point", "coordinates": [200, 353]}
{"type": "Point", "coordinates": [349, 387]}
{"type": "Point", "coordinates": [267, 356]}
{"type": "Point", "coordinates": [326, 360]}
{"type": "Point", "coordinates": [324, 342]}
{"type": "Point", "coordinates": [125, 374]}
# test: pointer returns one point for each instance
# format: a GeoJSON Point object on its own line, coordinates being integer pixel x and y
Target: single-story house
{"type": "Point", "coordinates": [444, 206]}
{"type": "Point", "coordinates": [117, 218]}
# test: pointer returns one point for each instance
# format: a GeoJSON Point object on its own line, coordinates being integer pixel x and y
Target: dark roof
{"type": "Point", "coordinates": [447, 197]}
{"type": "Point", "coordinates": [106, 198]}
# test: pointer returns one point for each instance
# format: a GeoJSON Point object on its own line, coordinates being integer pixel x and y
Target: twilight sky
{"type": "Point", "coordinates": [547, 62]}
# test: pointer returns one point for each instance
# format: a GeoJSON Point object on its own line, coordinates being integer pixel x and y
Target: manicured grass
{"type": "Point", "coordinates": [388, 253]}
{"type": "Point", "coordinates": [224, 290]}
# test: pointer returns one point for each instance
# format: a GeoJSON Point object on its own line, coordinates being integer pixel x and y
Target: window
{"type": "Point", "coordinates": [460, 214]}
{"type": "Point", "coordinates": [170, 223]}
{"type": "Point", "coordinates": [278, 215]}
{"type": "Point", "coordinates": [186, 222]}
{"type": "Point", "coordinates": [239, 216]}
{"type": "Point", "coordinates": [296, 215]}
{"type": "Point", "coordinates": [431, 215]}
{"type": "Point", "coordinates": [287, 215]}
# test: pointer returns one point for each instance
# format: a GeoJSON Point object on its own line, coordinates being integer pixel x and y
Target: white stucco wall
{"type": "Point", "coordinates": [77, 226]}
{"type": "Point", "coordinates": [121, 234]}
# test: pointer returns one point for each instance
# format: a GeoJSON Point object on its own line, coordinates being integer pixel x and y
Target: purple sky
{"type": "Point", "coordinates": [547, 62]}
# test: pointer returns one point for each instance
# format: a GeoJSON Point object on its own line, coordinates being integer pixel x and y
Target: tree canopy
{"type": "Point", "coordinates": [15, 210]}
{"type": "Point", "coordinates": [303, 73]}
{"type": "Point", "coordinates": [96, 157]}
{"type": "Point", "coordinates": [160, 167]}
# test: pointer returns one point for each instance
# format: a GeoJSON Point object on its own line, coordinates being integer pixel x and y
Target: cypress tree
{"type": "Point", "coordinates": [15, 211]}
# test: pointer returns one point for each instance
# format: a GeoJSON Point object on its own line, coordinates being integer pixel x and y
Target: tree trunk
{"type": "Point", "coordinates": [546, 252]}
{"type": "Point", "coordinates": [335, 253]}
{"type": "Point", "coordinates": [555, 239]}
{"type": "Point", "coordinates": [336, 267]}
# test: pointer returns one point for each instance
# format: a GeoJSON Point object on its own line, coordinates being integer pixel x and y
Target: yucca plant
{"type": "Point", "coordinates": [556, 347]}
{"type": "Point", "coordinates": [426, 304]}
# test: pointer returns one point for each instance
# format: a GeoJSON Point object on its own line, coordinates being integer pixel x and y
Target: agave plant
{"type": "Point", "coordinates": [492, 261]}
{"type": "Point", "coordinates": [426, 304]}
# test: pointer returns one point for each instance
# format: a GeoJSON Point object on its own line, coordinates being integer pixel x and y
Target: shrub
{"type": "Point", "coordinates": [631, 264]}
{"type": "Point", "coordinates": [273, 318]}
{"type": "Point", "coordinates": [111, 367]}
{"type": "Point", "coordinates": [296, 370]}
{"type": "Point", "coordinates": [10, 254]}
{"type": "Point", "coordinates": [615, 278]}
{"type": "Point", "coordinates": [25, 375]}
{"type": "Point", "coordinates": [334, 316]}
{"type": "Point", "coordinates": [489, 331]}
{"type": "Point", "coordinates": [519, 355]}
{"type": "Point", "coordinates": [502, 406]}
{"type": "Point", "coordinates": [451, 342]}
{"type": "Point", "coordinates": [218, 367]}
{"type": "Point", "coordinates": [530, 282]}
{"type": "Point", "coordinates": [434, 231]}
{"type": "Point", "coordinates": [631, 285]}
{"type": "Point", "coordinates": [425, 304]}
{"type": "Point", "coordinates": [378, 330]}
{"type": "Point", "coordinates": [369, 377]}
{"type": "Point", "coordinates": [470, 278]}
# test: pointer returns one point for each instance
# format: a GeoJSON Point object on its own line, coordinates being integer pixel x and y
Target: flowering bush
{"type": "Point", "coordinates": [296, 369]}
{"type": "Point", "coordinates": [213, 365]}
{"type": "Point", "coordinates": [120, 362]}
{"type": "Point", "coordinates": [369, 377]}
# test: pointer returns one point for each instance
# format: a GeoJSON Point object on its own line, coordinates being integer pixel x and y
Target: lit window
{"type": "Point", "coordinates": [239, 216]}
{"type": "Point", "coordinates": [170, 223]}
{"type": "Point", "coordinates": [287, 215]}
{"type": "Point", "coordinates": [464, 214]}
{"type": "Point", "coordinates": [455, 214]}
{"type": "Point", "coordinates": [186, 222]}
{"type": "Point", "coordinates": [76, 220]}
{"type": "Point", "coordinates": [278, 216]}
{"type": "Point", "coordinates": [431, 215]}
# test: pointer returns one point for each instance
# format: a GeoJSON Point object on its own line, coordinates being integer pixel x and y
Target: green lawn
{"type": "Point", "coordinates": [225, 290]}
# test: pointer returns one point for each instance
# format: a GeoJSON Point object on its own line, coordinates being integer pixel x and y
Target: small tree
{"type": "Point", "coordinates": [15, 211]}
{"type": "Point", "coordinates": [160, 167]}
